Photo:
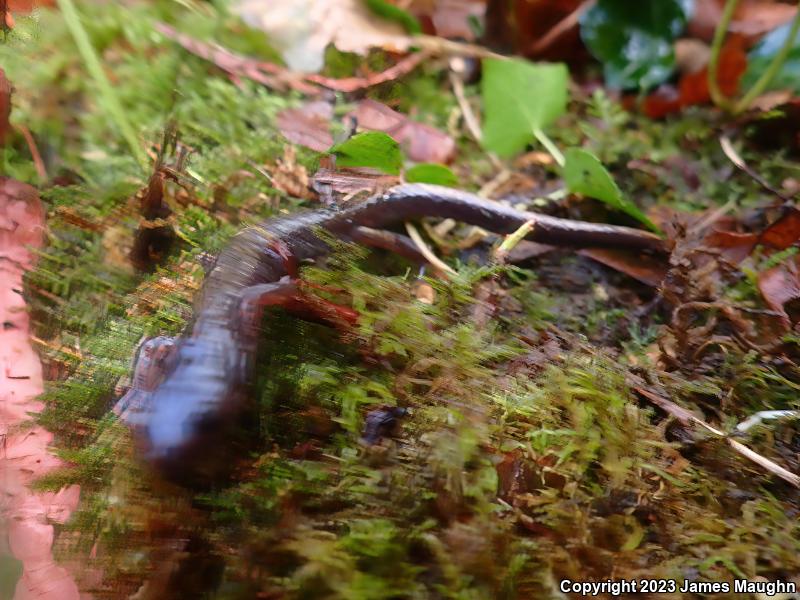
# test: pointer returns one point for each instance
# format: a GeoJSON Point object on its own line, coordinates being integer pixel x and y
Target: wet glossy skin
{"type": "Point", "coordinates": [183, 424]}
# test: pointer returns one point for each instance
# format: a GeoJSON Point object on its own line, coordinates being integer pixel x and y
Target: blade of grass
{"type": "Point", "coordinates": [108, 99]}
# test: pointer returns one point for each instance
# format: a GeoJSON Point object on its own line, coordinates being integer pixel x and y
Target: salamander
{"type": "Point", "coordinates": [189, 394]}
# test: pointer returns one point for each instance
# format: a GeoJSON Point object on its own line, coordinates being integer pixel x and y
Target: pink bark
{"type": "Point", "coordinates": [28, 516]}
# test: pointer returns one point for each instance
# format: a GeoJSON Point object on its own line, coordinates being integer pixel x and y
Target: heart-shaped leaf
{"type": "Point", "coordinates": [518, 98]}
{"type": "Point", "coordinates": [585, 174]}
{"type": "Point", "coordinates": [431, 173]}
{"type": "Point", "coordinates": [369, 149]}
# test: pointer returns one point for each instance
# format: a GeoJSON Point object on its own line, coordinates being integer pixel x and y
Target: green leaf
{"type": "Point", "coordinates": [431, 173]}
{"type": "Point", "coordinates": [518, 98]}
{"type": "Point", "coordinates": [396, 14]}
{"type": "Point", "coordinates": [585, 174]}
{"type": "Point", "coordinates": [369, 149]}
{"type": "Point", "coordinates": [759, 58]}
{"type": "Point", "coordinates": [634, 40]}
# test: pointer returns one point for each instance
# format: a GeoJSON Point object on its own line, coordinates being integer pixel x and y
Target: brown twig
{"type": "Point", "coordinates": [687, 418]}
{"type": "Point", "coordinates": [560, 28]}
{"type": "Point", "coordinates": [352, 84]}
{"type": "Point", "coordinates": [739, 163]}
{"type": "Point", "coordinates": [267, 74]}
{"type": "Point", "coordinates": [279, 78]}
{"type": "Point", "coordinates": [41, 171]}
{"type": "Point", "coordinates": [439, 45]}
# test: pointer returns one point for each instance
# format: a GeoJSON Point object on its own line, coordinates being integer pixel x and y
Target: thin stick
{"type": "Point", "coordinates": [41, 171]}
{"type": "Point", "coordinates": [352, 84]}
{"type": "Point", "coordinates": [427, 252]}
{"type": "Point", "coordinates": [686, 417]}
{"type": "Point", "coordinates": [560, 28]}
{"type": "Point", "coordinates": [738, 161]}
{"type": "Point", "coordinates": [443, 46]}
{"type": "Point", "coordinates": [470, 120]}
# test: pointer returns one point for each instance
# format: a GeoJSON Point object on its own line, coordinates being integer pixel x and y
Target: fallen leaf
{"type": "Point", "coordinates": [784, 232]}
{"type": "Point", "coordinates": [732, 246]}
{"type": "Point", "coordinates": [451, 18]}
{"type": "Point", "coordinates": [302, 29]}
{"type": "Point", "coordinates": [755, 17]}
{"type": "Point", "coordinates": [421, 142]}
{"type": "Point", "coordinates": [290, 176]}
{"type": "Point", "coordinates": [647, 269]}
{"type": "Point", "coordinates": [752, 18]}
{"type": "Point", "coordinates": [693, 86]}
{"type": "Point", "coordinates": [779, 286]}
{"type": "Point", "coordinates": [308, 125]}
{"type": "Point", "coordinates": [526, 249]}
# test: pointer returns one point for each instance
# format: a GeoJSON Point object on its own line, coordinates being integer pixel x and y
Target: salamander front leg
{"type": "Point", "coordinates": [153, 362]}
{"type": "Point", "coordinates": [288, 293]}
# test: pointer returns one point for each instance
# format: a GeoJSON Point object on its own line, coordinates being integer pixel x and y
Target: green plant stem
{"type": "Point", "coordinates": [716, 48]}
{"type": "Point", "coordinates": [548, 144]}
{"type": "Point", "coordinates": [775, 66]}
{"type": "Point", "coordinates": [110, 101]}
{"type": "Point", "coordinates": [512, 240]}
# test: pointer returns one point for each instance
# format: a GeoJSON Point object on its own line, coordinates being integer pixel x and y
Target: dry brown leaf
{"type": "Point", "coordinates": [291, 177]}
{"type": "Point", "coordinates": [784, 232]}
{"type": "Point", "coordinates": [421, 142]}
{"type": "Point", "coordinates": [302, 29]}
{"type": "Point", "coordinates": [451, 18]}
{"type": "Point", "coordinates": [647, 269]}
{"type": "Point", "coordinates": [732, 246]}
{"type": "Point", "coordinates": [752, 17]}
{"type": "Point", "coordinates": [308, 125]}
{"type": "Point", "coordinates": [780, 286]}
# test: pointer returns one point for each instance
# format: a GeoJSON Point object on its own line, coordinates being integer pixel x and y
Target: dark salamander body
{"type": "Point", "coordinates": [196, 389]}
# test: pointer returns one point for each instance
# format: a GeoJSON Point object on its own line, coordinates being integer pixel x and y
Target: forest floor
{"type": "Point", "coordinates": [571, 414]}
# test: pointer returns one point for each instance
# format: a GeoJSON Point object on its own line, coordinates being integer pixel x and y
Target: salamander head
{"type": "Point", "coordinates": [193, 406]}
